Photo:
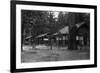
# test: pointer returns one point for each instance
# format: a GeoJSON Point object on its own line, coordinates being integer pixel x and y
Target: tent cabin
{"type": "Point", "coordinates": [42, 39]}
{"type": "Point", "coordinates": [61, 37]}
{"type": "Point", "coordinates": [83, 35]}
{"type": "Point", "coordinates": [27, 40]}
{"type": "Point", "coordinates": [58, 38]}
{"type": "Point", "coordinates": [79, 36]}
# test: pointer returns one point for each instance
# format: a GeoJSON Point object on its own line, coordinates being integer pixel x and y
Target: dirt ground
{"type": "Point", "coordinates": [42, 55]}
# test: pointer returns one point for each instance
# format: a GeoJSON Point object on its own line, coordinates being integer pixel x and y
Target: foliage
{"type": "Point", "coordinates": [36, 22]}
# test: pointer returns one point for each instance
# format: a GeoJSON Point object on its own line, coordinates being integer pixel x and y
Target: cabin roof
{"type": "Point", "coordinates": [41, 35]}
{"type": "Point", "coordinates": [64, 30]}
{"type": "Point", "coordinates": [28, 37]}
{"type": "Point", "coordinates": [79, 24]}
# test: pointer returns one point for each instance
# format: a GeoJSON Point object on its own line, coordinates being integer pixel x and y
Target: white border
{"type": "Point", "coordinates": [20, 65]}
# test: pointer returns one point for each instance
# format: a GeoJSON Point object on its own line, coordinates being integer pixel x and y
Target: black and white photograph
{"type": "Point", "coordinates": [53, 35]}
